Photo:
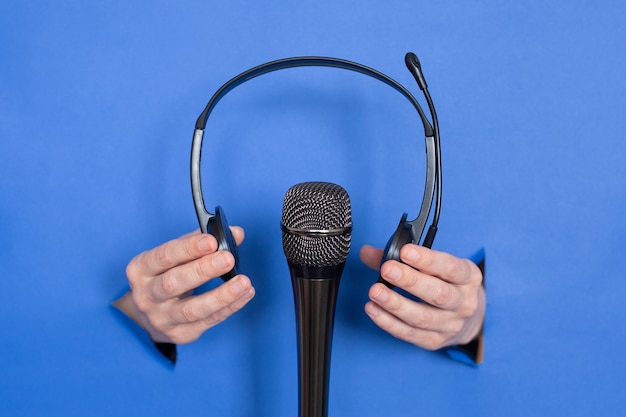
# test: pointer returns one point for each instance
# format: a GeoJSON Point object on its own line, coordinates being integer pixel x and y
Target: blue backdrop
{"type": "Point", "coordinates": [98, 102]}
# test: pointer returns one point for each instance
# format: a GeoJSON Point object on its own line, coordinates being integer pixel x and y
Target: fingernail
{"type": "Point", "coordinates": [204, 244]}
{"type": "Point", "coordinates": [394, 273]}
{"type": "Point", "coordinates": [237, 286]}
{"type": "Point", "coordinates": [411, 254]}
{"type": "Point", "coordinates": [380, 295]}
{"type": "Point", "coordinates": [372, 309]}
{"type": "Point", "coordinates": [221, 260]}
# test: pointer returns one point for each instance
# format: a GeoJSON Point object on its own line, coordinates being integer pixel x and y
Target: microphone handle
{"type": "Point", "coordinates": [315, 301]}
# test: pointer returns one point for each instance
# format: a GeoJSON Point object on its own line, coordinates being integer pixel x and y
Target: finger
{"type": "Point", "coordinates": [178, 281]}
{"type": "Point", "coordinates": [172, 254]}
{"type": "Point", "coordinates": [430, 289]}
{"type": "Point", "coordinates": [426, 339]}
{"type": "Point", "coordinates": [195, 232]}
{"type": "Point", "coordinates": [216, 305]}
{"type": "Point", "coordinates": [440, 264]}
{"type": "Point", "coordinates": [238, 234]}
{"type": "Point", "coordinates": [415, 314]}
{"type": "Point", "coordinates": [371, 256]}
{"type": "Point", "coordinates": [188, 332]}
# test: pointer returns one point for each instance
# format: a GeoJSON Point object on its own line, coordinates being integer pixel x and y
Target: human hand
{"type": "Point", "coordinates": [162, 281]}
{"type": "Point", "coordinates": [454, 299]}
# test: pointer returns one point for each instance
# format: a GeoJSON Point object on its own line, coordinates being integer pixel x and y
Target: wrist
{"type": "Point", "coordinates": [127, 305]}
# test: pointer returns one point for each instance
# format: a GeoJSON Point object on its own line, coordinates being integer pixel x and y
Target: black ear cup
{"type": "Point", "coordinates": [401, 237]}
{"type": "Point", "coordinates": [218, 227]}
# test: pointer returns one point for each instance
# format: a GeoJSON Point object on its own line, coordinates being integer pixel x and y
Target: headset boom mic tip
{"type": "Point", "coordinates": [317, 224]}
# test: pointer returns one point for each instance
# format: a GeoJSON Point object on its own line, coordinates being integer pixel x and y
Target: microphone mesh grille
{"type": "Point", "coordinates": [316, 206]}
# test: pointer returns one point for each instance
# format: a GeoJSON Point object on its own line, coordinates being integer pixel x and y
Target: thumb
{"type": "Point", "coordinates": [371, 256]}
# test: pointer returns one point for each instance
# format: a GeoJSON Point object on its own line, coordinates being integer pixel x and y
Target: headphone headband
{"type": "Point", "coordinates": [433, 164]}
{"type": "Point", "coordinates": [309, 61]}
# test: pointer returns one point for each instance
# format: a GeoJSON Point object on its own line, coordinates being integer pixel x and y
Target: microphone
{"type": "Point", "coordinates": [317, 226]}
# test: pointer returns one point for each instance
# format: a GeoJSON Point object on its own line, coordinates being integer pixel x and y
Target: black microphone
{"type": "Point", "coordinates": [317, 226]}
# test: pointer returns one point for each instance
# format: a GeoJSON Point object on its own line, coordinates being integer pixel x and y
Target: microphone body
{"type": "Point", "coordinates": [317, 227]}
{"type": "Point", "coordinates": [315, 300]}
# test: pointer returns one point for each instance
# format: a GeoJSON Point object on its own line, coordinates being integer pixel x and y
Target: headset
{"type": "Point", "coordinates": [406, 232]}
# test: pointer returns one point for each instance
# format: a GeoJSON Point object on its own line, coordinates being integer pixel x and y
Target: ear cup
{"type": "Point", "coordinates": [218, 227]}
{"type": "Point", "coordinates": [401, 237]}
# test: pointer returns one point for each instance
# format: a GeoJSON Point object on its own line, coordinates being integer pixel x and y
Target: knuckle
{"type": "Point", "coordinates": [456, 267]}
{"type": "Point", "coordinates": [134, 270]}
{"type": "Point", "coordinates": [410, 279]}
{"type": "Point", "coordinates": [441, 295]}
{"type": "Point", "coordinates": [140, 301]}
{"type": "Point", "coordinates": [215, 318]}
{"type": "Point", "coordinates": [427, 260]}
{"type": "Point", "coordinates": [393, 303]}
{"type": "Point", "coordinates": [435, 342]}
{"type": "Point", "coordinates": [161, 255]}
{"type": "Point", "coordinates": [456, 326]}
{"type": "Point", "coordinates": [159, 323]}
{"type": "Point", "coordinates": [428, 345]}
{"type": "Point", "coordinates": [229, 308]}
{"type": "Point", "coordinates": [409, 335]}
{"type": "Point", "coordinates": [221, 298]}
{"type": "Point", "coordinates": [189, 248]}
{"type": "Point", "coordinates": [131, 271]}
{"type": "Point", "coordinates": [423, 320]}
{"type": "Point", "coordinates": [168, 284]}
{"type": "Point", "coordinates": [471, 306]}
{"type": "Point", "coordinates": [189, 313]}
{"type": "Point", "coordinates": [176, 338]}
{"type": "Point", "coordinates": [476, 275]}
{"type": "Point", "coordinates": [180, 336]}
{"type": "Point", "coordinates": [203, 268]}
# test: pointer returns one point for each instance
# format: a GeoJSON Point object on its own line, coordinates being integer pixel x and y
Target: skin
{"type": "Point", "coordinates": [454, 299]}
{"type": "Point", "coordinates": [162, 281]}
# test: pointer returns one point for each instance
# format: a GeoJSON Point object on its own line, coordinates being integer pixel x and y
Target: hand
{"type": "Point", "coordinates": [162, 281]}
{"type": "Point", "coordinates": [454, 300]}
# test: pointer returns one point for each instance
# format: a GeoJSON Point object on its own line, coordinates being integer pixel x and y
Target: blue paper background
{"type": "Point", "coordinates": [98, 102]}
